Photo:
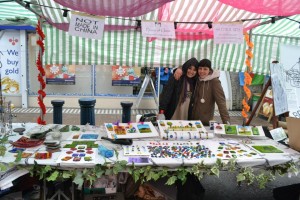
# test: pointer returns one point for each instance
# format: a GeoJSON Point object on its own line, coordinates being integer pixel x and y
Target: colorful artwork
{"type": "Point", "coordinates": [144, 128]}
{"type": "Point", "coordinates": [89, 144]}
{"type": "Point", "coordinates": [255, 131]}
{"type": "Point", "coordinates": [245, 130]}
{"type": "Point", "coordinates": [135, 150]}
{"type": "Point", "coordinates": [80, 154]}
{"type": "Point", "coordinates": [230, 130]}
{"type": "Point", "coordinates": [239, 130]}
{"type": "Point", "coordinates": [130, 130]}
{"type": "Point", "coordinates": [89, 136]}
{"type": "Point", "coordinates": [84, 136]}
{"type": "Point", "coordinates": [120, 130]}
{"type": "Point", "coordinates": [266, 149]}
{"type": "Point", "coordinates": [182, 130]}
{"type": "Point", "coordinates": [234, 150]}
{"type": "Point", "coordinates": [43, 155]}
{"type": "Point", "coordinates": [182, 149]}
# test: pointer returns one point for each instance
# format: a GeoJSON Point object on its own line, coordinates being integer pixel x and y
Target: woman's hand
{"type": "Point", "coordinates": [178, 73]}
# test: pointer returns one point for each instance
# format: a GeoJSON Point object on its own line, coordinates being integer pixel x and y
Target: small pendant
{"type": "Point", "coordinates": [202, 100]}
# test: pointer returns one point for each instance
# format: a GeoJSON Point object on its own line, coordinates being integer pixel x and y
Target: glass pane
{"type": "Point", "coordinates": [103, 79]}
{"type": "Point", "coordinates": [82, 87]}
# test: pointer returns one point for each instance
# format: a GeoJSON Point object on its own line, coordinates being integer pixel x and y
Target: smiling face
{"type": "Point", "coordinates": [191, 72]}
{"type": "Point", "coordinates": [203, 72]}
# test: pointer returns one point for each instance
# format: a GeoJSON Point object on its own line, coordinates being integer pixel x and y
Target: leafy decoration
{"type": "Point", "coordinates": [246, 175]}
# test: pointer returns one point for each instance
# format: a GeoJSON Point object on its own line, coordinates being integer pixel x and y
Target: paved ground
{"type": "Point", "coordinates": [224, 187]}
{"type": "Point", "coordinates": [72, 115]}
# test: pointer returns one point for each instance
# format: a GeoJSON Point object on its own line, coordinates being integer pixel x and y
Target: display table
{"type": "Point", "coordinates": [147, 151]}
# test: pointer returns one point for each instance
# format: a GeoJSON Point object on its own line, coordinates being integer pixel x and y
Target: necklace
{"type": "Point", "coordinates": [202, 100]}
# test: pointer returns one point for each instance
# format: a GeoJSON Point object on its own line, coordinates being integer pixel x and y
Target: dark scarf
{"type": "Point", "coordinates": [186, 81]}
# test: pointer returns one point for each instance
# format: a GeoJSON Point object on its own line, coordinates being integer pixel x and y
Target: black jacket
{"type": "Point", "coordinates": [169, 97]}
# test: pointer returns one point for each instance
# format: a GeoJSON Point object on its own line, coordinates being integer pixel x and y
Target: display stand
{"type": "Point", "coordinates": [143, 89]}
{"type": "Point", "coordinates": [258, 105]}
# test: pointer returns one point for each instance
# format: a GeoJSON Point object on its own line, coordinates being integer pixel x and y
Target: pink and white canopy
{"type": "Point", "coordinates": [114, 8]}
{"type": "Point", "coordinates": [267, 7]}
{"type": "Point", "coordinates": [123, 14]}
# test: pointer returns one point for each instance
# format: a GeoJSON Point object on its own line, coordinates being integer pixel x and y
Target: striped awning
{"type": "Point", "coordinates": [11, 13]}
{"type": "Point", "coordinates": [131, 49]}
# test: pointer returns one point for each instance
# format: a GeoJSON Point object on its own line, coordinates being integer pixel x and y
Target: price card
{"type": "Point", "coordinates": [278, 134]}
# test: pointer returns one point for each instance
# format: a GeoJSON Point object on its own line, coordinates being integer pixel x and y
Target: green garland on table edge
{"type": "Point", "coordinates": [146, 173]}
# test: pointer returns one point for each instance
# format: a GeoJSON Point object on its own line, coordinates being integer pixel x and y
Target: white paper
{"type": "Point", "coordinates": [158, 29]}
{"type": "Point", "coordinates": [228, 33]}
{"type": "Point", "coordinates": [289, 57]}
{"type": "Point", "coordinates": [87, 26]}
{"type": "Point", "coordinates": [278, 78]}
{"type": "Point", "coordinates": [278, 134]}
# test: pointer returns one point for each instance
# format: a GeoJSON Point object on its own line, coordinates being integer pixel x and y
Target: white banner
{"type": "Point", "coordinates": [228, 33]}
{"type": "Point", "coordinates": [86, 26]}
{"type": "Point", "coordinates": [158, 29]}
{"type": "Point", "coordinates": [10, 61]}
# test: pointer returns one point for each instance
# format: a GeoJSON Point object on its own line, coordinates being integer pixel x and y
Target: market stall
{"type": "Point", "coordinates": [74, 149]}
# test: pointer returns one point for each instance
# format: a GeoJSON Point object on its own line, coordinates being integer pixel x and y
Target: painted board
{"type": "Point", "coordinates": [179, 150]}
{"type": "Point", "coordinates": [238, 130]}
{"type": "Point", "coordinates": [79, 155]}
{"type": "Point", "coordinates": [182, 130]}
{"type": "Point", "coordinates": [266, 149]}
{"type": "Point", "coordinates": [228, 150]}
{"type": "Point", "coordinates": [84, 136]}
{"type": "Point", "coordinates": [130, 130]}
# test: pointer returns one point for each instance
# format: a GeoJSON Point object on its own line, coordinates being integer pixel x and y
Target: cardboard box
{"type": "Point", "coordinates": [103, 185]}
{"type": "Point", "coordinates": [293, 132]}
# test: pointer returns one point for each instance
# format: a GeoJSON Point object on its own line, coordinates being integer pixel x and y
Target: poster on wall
{"type": "Point", "coordinates": [125, 76]}
{"type": "Point", "coordinates": [60, 74]}
{"type": "Point", "coordinates": [10, 62]}
{"type": "Point", "coordinates": [290, 60]}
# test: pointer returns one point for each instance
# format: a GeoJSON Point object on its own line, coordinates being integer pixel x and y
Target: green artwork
{"type": "Point", "coordinates": [144, 128]}
{"type": "Point", "coordinates": [267, 149]}
{"type": "Point", "coordinates": [89, 144]}
{"type": "Point", "coordinates": [65, 128]}
{"type": "Point", "coordinates": [230, 130]}
{"type": "Point", "coordinates": [255, 131]}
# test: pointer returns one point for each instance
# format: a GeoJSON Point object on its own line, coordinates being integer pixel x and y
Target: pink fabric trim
{"type": "Point", "coordinates": [123, 8]}
{"type": "Point", "coordinates": [267, 7]}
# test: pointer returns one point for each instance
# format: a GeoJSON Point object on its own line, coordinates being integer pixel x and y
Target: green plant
{"type": "Point", "coordinates": [246, 175]}
{"type": "Point", "coordinates": [3, 142]}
